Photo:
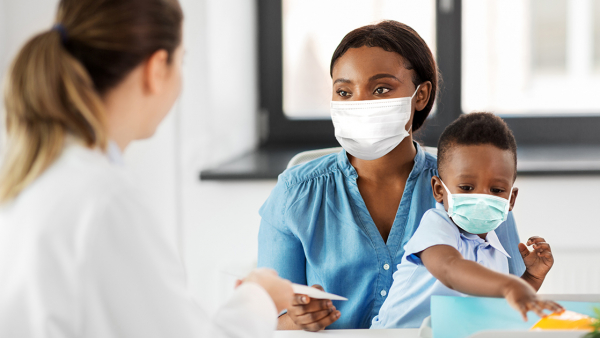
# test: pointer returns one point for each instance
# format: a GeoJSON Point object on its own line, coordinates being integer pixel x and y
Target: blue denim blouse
{"type": "Point", "coordinates": [316, 229]}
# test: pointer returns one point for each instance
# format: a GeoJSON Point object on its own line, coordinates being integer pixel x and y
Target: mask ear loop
{"type": "Point", "coordinates": [412, 97]}
{"type": "Point", "coordinates": [450, 200]}
{"type": "Point", "coordinates": [415, 93]}
{"type": "Point", "coordinates": [508, 204]}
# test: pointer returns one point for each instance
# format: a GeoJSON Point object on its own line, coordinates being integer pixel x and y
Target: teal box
{"type": "Point", "coordinates": [459, 317]}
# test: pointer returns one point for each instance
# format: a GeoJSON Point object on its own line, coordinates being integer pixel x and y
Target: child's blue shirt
{"type": "Point", "coordinates": [409, 299]}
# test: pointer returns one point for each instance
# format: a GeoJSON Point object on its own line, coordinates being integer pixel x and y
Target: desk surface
{"type": "Point", "coordinates": [414, 333]}
{"type": "Point", "coordinates": [396, 333]}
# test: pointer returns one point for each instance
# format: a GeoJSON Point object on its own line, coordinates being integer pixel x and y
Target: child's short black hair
{"type": "Point", "coordinates": [476, 129]}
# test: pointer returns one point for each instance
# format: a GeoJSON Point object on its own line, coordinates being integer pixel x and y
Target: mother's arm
{"type": "Point", "coordinates": [280, 249]}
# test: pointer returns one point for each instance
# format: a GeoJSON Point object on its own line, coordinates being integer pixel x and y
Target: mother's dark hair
{"type": "Point", "coordinates": [393, 36]}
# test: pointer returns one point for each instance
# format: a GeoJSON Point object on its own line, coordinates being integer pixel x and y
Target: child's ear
{"type": "Point", "coordinates": [513, 198]}
{"type": "Point", "coordinates": [438, 189]}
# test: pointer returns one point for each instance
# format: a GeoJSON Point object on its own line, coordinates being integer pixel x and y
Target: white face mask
{"type": "Point", "coordinates": [370, 129]}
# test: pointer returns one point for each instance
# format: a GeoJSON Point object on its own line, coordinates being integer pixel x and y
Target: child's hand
{"type": "Point", "coordinates": [523, 298]}
{"type": "Point", "coordinates": [539, 261]}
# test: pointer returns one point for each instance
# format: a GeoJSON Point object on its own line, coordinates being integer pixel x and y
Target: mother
{"type": "Point", "coordinates": [341, 221]}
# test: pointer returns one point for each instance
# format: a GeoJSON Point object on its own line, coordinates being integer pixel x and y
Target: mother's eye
{"type": "Point", "coordinates": [381, 90]}
{"type": "Point", "coordinates": [343, 93]}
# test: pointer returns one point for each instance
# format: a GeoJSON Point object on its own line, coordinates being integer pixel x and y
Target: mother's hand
{"type": "Point", "coordinates": [309, 314]}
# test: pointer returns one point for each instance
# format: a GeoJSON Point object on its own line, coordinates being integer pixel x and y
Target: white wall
{"type": "Point", "coordinates": [215, 120]}
{"type": "Point", "coordinates": [2, 37]}
{"type": "Point", "coordinates": [218, 110]}
{"type": "Point", "coordinates": [564, 210]}
{"type": "Point", "coordinates": [17, 24]}
{"type": "Point", "coordinates": [21, 19]}
{"type": "Point", "coordinates": [3, 46]}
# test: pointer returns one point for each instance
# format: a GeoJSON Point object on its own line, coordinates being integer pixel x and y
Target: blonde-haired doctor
{"type": "Point", "coordinates": [80, 253]}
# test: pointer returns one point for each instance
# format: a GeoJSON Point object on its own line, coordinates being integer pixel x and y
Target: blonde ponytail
{"type": "Point", "coordinates": [48, 94]}
{"type": "Point", "coordinates": [56, 82]}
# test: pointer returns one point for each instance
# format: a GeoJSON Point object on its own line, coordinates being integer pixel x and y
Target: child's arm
{"type": "Point", "coordinates": [447, 265]}
{"type": "Point", "coordinates": [538, 262]}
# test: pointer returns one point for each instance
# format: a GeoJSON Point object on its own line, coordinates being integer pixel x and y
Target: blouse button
{"type": "Point", "coordinates": [386, 266]}
{"type": "Point", "coordinates": [383, 293]}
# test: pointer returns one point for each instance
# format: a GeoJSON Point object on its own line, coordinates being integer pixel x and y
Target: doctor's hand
{"type": "Point", "coordinates": [537, 262]}
{"type": "Point", "coordinates": [278, 288]}
{"type": "Point", "coordinates": [523, 298]}
{"type": "Point", "coordinates": [312, 314]}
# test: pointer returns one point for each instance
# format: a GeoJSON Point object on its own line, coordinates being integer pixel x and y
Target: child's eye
{"type": "Point", "coordinates": [497, 191]}
{"type": "Point", "coordinates": [381, 90]}
{"type": "Point", "coordinates": [465, 188]}
{"type": "Point", "coordinates": [343, 93]}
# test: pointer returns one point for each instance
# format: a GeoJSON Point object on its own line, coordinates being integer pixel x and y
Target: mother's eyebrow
{"type": "Point", "coordinates": [342, 80]}
{"type": "Point", "coordinates": [383, 75]}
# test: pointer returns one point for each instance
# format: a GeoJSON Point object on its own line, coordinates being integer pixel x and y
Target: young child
{"type": "Point", "coordinates": [455, 250]}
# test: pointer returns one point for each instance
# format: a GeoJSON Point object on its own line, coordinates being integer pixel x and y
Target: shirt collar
{"type": "Point", "coordinates": [491, 238]}
{"type": "Point", "coordinates": [114, 154]}
{"type": "Point", "coordinates": [350, 172]}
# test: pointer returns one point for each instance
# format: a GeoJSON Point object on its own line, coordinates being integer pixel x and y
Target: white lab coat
{"type": "Point", "coordinates": [82, 256]}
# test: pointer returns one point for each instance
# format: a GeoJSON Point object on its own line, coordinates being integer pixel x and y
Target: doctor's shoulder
{"type": "Point", "coordinates": [79, 196]}
{"type": "Point", "coordinates": [76, 181]}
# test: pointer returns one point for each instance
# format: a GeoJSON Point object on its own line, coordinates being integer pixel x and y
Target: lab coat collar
{"type": "Point", "coordinates": [113, 152]}
{"type": "Point", "coordinates": [115, 156]}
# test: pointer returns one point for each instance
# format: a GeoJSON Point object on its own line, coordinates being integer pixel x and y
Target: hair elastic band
{"type": "Point", "coordinates": [62, 31]}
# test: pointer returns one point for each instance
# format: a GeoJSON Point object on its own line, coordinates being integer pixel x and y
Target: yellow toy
{"type": "Point", "coordinates": [566, 320]}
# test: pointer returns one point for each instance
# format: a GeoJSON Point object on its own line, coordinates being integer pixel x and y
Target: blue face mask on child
{"type": "Point", "coordinates": [477, 213]}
